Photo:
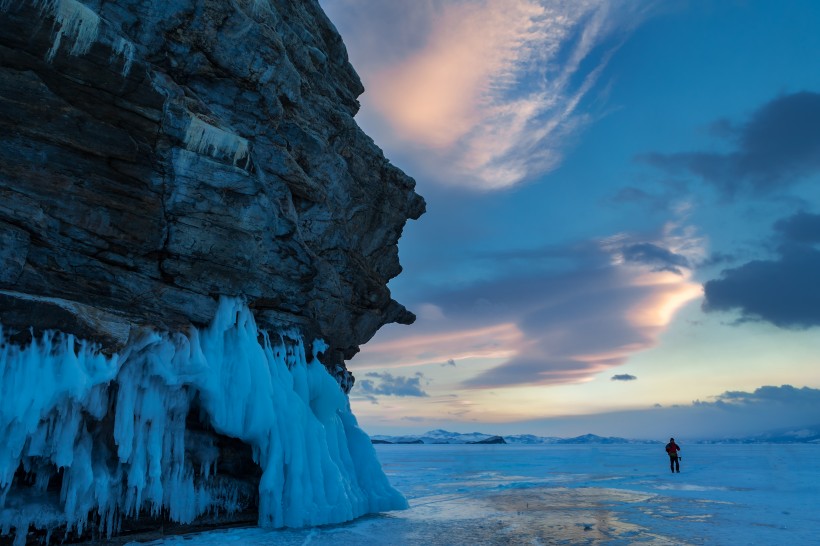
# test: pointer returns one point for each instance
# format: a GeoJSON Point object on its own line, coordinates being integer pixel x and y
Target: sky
{"type": "Point", "coordinates": [622, 233]}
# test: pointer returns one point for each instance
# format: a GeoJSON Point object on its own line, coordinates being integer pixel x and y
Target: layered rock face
{"type": "Point", "coordinates": [160, 153]}
{"type": "Point", "coordinates": [183, 186]}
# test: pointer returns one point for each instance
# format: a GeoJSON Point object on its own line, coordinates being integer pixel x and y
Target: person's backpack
{"type": "Point", "coordinates": [671, 448]}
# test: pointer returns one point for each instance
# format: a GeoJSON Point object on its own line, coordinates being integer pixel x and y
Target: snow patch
{"type": "Point", "coordinates": [64, 406]}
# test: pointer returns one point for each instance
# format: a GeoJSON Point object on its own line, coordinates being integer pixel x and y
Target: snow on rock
{"type": "Point", "coordinates": [61, 402]}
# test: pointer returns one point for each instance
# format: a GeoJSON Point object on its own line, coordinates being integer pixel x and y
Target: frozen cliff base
{"type": "Point", "coordinates": [176, 408]}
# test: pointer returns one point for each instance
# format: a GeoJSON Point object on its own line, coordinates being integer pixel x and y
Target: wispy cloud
{"type": "Point", "coordinates": [623, 377]}
{"type": "Point", "coordinates": [489, 90]}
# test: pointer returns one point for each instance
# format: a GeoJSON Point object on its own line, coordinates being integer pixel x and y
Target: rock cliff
{"type": "Point", "coordinates": [183, 184]}
{"type": "Point", "coordinates": [157, 154]}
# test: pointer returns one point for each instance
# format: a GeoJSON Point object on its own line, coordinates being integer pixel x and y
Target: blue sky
{"type": "Point", "coordinates": [623, 214]}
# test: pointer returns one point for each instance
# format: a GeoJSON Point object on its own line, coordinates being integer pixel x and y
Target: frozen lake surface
{"type": "Point", "coordinates": [579, 494]}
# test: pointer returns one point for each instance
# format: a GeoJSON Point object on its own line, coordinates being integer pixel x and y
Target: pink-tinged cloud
{"type": "Point", "coordinates": [494, 341]}
{"type": "Point", "coordinates": [551, 328]}
{"type": "Point", "coordinates": [488, 91]}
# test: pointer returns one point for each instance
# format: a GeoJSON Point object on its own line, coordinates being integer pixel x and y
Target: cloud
{"type": "Point", "coordinates": [623, 377]}
{"type": "Point", "coordinates": [548, 326]}
{"type": "Point", "coordinates": [785, 394]}
{"type": "Point", "coordinates": [432, 343]}
{"type": "Point", "coordinates": [716, 258]}
{"type": "Point", "coordinates": [778, 146]}
{"type": "Point", "coordinates": [782, 291]}
{"type": "Point", "coordinates": [661, 259]}
{"type": "Point", "coordinates": [802, 228]}
{"type": "Point", "coordinates": [484, 93]}
{"type": "Point", "coordinates": [387, 384]}
{"type": "Point", "coordinates": [732, 414]}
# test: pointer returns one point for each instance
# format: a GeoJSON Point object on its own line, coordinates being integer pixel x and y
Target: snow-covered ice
{"type": "Point", "coordinates": [579, 494]}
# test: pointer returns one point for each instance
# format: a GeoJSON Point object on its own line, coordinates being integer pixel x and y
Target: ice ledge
{"type": "Point", "coordinates": [89, 440]}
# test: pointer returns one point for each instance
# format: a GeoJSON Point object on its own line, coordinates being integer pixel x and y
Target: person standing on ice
{"type": "Point", "coordinates": [672, 450]}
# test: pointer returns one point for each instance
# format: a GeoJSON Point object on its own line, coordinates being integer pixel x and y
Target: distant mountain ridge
{"type": "Point", "coordinates": [803, 435]}
{"type": "Point", "coordinates": [440, 436]}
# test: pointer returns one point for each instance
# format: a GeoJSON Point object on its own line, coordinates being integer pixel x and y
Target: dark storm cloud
{"type": "Point", "coordinates": [623, 377]}
{"type": "Point", "coordinates": [390, 385]}
{"type": "Point", "coordinates": [653, 255]}
{"type": "Point", "coordinates": [783, 291]}
{"type": "Point", "coordinates": [778, 145]}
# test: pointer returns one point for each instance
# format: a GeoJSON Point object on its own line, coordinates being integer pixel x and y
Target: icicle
{"type": "Point", "coordinates": [204, 138]}
{"type": "Point", "coordinates": [317, 466]}
{"type": "Point", "coordinates": [75, 20]}
{"type": "Point", "coordinates": [125, 49]}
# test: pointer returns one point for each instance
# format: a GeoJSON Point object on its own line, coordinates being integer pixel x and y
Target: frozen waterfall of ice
{"type": "Point", "coordinates": [114, 430]}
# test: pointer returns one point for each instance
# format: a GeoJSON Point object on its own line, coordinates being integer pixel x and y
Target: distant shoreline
{"type": "Point", "coordinates": [442, 437]}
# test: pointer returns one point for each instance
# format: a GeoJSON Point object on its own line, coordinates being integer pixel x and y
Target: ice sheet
{"type": "Point", "coordinates": [725, 494]}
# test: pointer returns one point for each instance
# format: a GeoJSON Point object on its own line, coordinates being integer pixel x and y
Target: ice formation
{"type": "Point", "coordinates": [80, 24]}
{"type": "Point", "coordinates": [125, 49]}
{"type": "Point", "coordinates": [204, 138]}
{"type": "Point", "coordinates": [75, 20]}
{"type": "Point", "coordinates": [113, 433]}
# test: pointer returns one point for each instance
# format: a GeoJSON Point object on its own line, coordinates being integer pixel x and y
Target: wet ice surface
{"type": "Point", "coordinates": [505, 494]}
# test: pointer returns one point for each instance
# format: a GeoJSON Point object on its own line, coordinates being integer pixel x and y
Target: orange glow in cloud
{"type": "Point", "coordinates": [650, 316]}
{"type": "Point", "coordinates": [658, 310]}
{"type": "Point", "coordinates": [434, 97]}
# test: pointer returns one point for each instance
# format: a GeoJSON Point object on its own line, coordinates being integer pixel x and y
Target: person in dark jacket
{"type": "Point", "coordinates": [672, 450]}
